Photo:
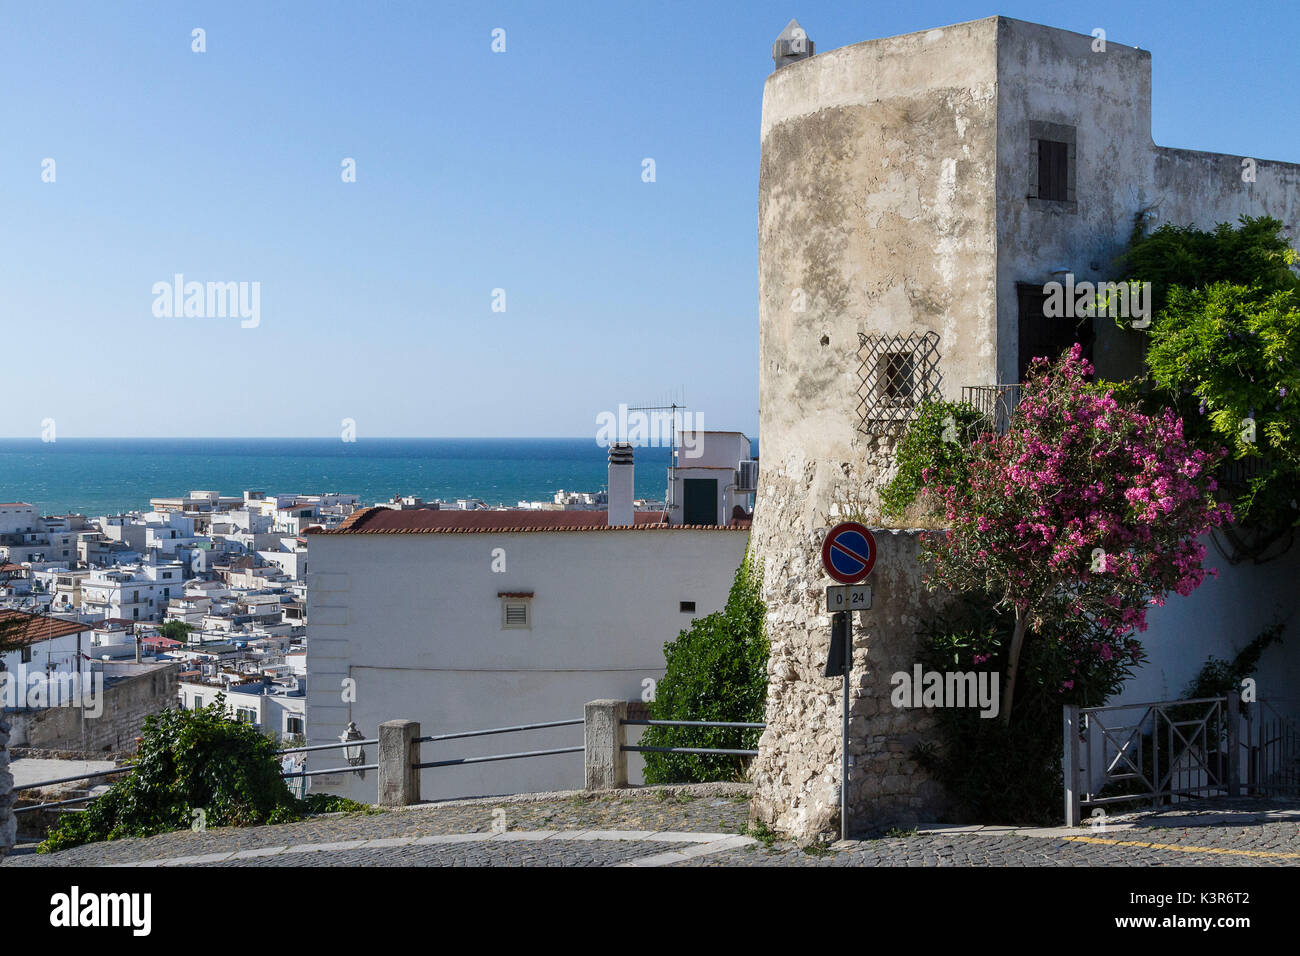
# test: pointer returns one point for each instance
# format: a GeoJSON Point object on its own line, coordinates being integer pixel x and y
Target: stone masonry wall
{"type": "Point", "coordinates": [797, 772]}
{"type": "Point", "coordinates": [127, 702]}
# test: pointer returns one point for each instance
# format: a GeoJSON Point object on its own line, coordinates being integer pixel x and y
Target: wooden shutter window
{"type": "Point", "coordinates": [1053, 170]}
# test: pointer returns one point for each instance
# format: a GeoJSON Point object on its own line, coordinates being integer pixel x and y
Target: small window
{"type": "Point", "coordinates": [26, 656]}
{"type": "Point", "coordinates": [198, 701]}
{"type": "Point", "coordinates": [516, 613]}
{"type": "Point", "coordinates": [687, 607]}
{"type": "Point", "coordinates": [897, 379]}
{"type": "Point", "coordinates": [1053, 152]}
{"type": "Point", "coordinates": [293, 726]}
{"type": "Point", "coordinates": [1053, 170]}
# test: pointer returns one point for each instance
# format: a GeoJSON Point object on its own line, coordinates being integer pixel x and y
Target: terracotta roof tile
{"type": "Point", "coordinates": [390, 521]}
{"type": "Point", "coordinates": [19, 627]}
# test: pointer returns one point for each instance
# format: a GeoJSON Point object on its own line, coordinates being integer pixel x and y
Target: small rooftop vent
{"type": "Point", "coordinates": [793, 44]}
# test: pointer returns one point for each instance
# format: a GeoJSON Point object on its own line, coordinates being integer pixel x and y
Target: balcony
{"type": "Point", "coordinates": [997, 403]}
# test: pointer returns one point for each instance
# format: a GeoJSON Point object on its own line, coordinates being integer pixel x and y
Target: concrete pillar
{"type": "Point", "coordinates": [604, 736]}
{"type": "Point", "coordinates": [399, 781]}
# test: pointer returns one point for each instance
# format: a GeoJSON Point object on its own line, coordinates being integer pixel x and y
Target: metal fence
{"type": "Point", "coordinates": [1162, 752]}
{"type": "Point", "coordinates": [603, 750]}
{"type": "Point", "coordinates": [1272, 748]}
{"type": "Point", "coordinates": [94, 774]}
{"type": "Point", "coordinates": [630, 722]}
{"type": "Point", "coordinates": [460, 761]}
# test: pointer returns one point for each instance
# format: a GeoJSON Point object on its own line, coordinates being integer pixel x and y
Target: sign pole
{"type": "Point", "coordinates": [848, 555]}
{"type": "Point", "coordinates": [844, 731]}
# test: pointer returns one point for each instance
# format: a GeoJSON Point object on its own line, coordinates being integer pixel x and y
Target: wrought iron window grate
{"type": "Point", "coordinates": [896, 375]}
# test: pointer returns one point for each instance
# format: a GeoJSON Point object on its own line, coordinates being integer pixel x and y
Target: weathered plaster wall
{"type": "Point", "coordinates": [876, 201]}
{"type": "Point", "coordinates": [1054, 76]}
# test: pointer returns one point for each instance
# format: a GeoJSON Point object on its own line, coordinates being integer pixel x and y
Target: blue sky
{"type": "Point", "coordinates": [475, 171]}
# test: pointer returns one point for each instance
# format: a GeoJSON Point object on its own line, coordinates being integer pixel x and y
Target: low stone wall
{"type": "Point", "coordinates": [127, 701]}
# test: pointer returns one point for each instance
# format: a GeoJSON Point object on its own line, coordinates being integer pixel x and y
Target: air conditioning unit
{"type": "Point", "coordinates": [747, 477]}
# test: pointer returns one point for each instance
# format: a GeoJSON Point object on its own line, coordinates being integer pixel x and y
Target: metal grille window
{"type": "Point", "coordinates": [896, 375]}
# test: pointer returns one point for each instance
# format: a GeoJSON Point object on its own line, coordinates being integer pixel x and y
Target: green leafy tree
{"type": "Point", "coordinates": [1254, 254]}
{"type": "Point", "coordinates": [1224, 353]}
{"type": "Point", "coordinates": [716, 670]}
{"type": "Point", "coordinates": [175, 630]}
{"type": "Point", "coordinates": [1230, 355]}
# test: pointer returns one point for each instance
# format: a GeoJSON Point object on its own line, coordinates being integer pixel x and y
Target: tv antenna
{"type": "Point", "coordinates": [672, 407]}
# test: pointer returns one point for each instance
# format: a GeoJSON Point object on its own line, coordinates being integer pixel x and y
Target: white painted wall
{"type": "Point", "coordinates": [1220, 618]}
{"type": "Point", "coordinates": [415, 620]}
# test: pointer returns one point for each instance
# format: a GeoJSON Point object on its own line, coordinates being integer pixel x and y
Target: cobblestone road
{"type": "Point", "coordinates": [695, 826]}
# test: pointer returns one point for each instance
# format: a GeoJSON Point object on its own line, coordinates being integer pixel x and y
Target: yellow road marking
{"type": "Point", "coordinates": [1183, 849]}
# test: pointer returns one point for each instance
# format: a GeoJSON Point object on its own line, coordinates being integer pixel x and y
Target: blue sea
{"type": "Point", "coordinates": [97, 476]}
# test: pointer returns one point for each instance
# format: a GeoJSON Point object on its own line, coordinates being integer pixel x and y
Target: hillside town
{"type": "Point", "coordinates": [211, 592]}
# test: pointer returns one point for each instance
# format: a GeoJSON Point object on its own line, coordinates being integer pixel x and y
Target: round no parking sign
{"type": "Point", "coordinates": [849, 552]}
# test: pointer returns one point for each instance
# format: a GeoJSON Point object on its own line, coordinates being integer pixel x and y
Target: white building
{"type": "Point", "coordinates": [135, 594]}
{"type": "Point", "coordinates": [48, 647]}
{"type": "Point", "coordinates": [470, 620]}
{"type": "Point", "coordinates": [272, 703]}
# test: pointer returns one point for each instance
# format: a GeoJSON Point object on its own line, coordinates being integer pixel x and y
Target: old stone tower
{"type": "Point", "coordinates": [915, 195]}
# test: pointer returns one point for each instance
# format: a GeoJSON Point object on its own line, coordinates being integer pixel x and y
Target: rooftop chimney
{"type": "Point", "coordinates": [792, 45]}
{"type": "Point", "coordinates": [620, 485]}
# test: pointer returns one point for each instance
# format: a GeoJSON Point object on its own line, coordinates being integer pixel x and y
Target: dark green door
{"type": "Point", "coordinates": [701, 501]}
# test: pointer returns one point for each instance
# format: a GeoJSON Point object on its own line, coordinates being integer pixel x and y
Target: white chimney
{"type": "Point", "coordinates": [620, 485]}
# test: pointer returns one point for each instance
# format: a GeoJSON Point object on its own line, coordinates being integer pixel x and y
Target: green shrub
{"type": "Point", "coordinates": [716, 670]}
{"type": "Point", "coordinates": [939, 439]}
{"type": "Point", "coordinates": [189, 760]}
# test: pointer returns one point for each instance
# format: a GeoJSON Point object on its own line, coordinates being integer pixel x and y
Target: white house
{"type": "Point", "coordinates": [136, 594]}
{"type": "Point", "coordinates": [50, 648]}
{"type": "Point", "coordinates": [272, 703]}
{"type": "Point", "coordinates": [467, 620]}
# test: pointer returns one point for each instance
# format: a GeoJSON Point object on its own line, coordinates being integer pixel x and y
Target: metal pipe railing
{"type": "Point", "coordinates": [458, 761]}
{"type": "Point", "coordinates": [80, 776]}
{"type": "Point", "coordinates": [498, 730]}
{"type": "Point", "coordinates": [691, 750]}
{"type": "Point", "coordinates": [338, 746]}
{"type": "Point", "coordinates": [314, 773]}
{"type": "Point", "coordinates": [56, 803]}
